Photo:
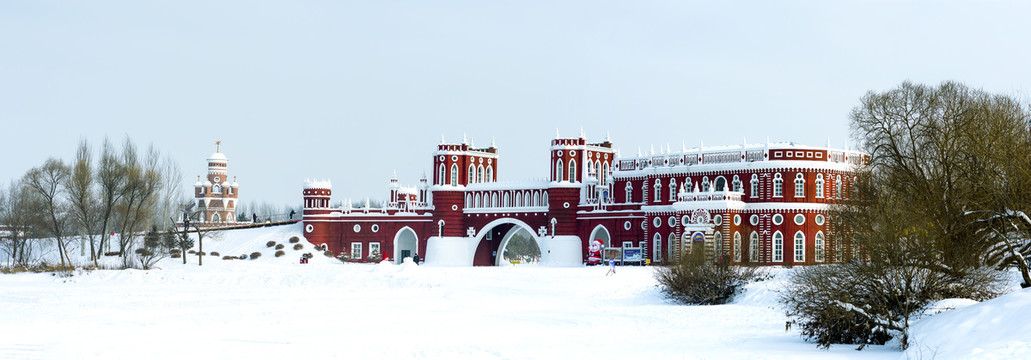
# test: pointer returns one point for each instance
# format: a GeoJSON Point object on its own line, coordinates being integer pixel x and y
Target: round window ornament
{"type": "Point", "coordinates": [572, 152]}
{"type": "Point", "coordinates": [357, 228]}
{"type": "Point", "coordinates": [778, 219]}
{"type": "Point", "coordinates": [375, 227]}
{"type": "Point", "coordinates": [217, 179]}
{"type": "Point", "coordinates": [559, 153]}
{"type": "Point", "coordinates": [672, 221]}
{"type": "Point", "coordinates": [685, 219]}
{"type": "Point", "coordinates": [737, 220]}
{"type": "Point", "coordinates": [644, 224]}
{"type": "Point", "coordinates": [754, 219]}
{"type": "Point", "coordinates": [657, 222]}
{"type": "Point", "coordinates": [626, 225]}
{"type": "Point", "coordinates": [565, 205]}
{"type": "Point", "coordinates": [799, 219]}
{"type": "Point", "coordinates": [819, 219]}
{"type": "Point", "coordinates": [454, 207]}
{"type": "Point", "coordinates": [442, 158]}
{"type": "Point", "coordinates": [454, 157]}
{"type": "Point", "coordinates": [309, 228]}
{"type": "Point", "coordinates": [718, 220]}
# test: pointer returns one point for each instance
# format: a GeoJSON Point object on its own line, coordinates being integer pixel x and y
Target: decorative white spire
{"type": "Point", "coordinates": [442, 142]}
{"type": "Point", "coordinates": [472, 142]}
{"type": "Point", "coordinates": [683, 147]}
{"type": "Point", "coordinates": [653, 149]}
{"type": "Point", "coordinates": [668, 151]}
{"type": "Point", "coordinates": [701, 145]}
{"type": "Point", "coordinates": [557, 135]}
{"type": "Point", "coordinates": [607, 137]}
{"type": "Point", "coordinates": [464, 141]}
{"type": "Point", "coordinates": [639, 154]}
{"type": "Point", "coordinates": [582, 136]}
{"type": "Point", "coordinates": [492, 142]}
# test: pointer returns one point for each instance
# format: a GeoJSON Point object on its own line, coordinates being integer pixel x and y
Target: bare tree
{"type": "Point", "coordinates": [111, 179]}
{"type": "Point", "coordinates": [80, 189]}
{"type": "Point", "coordinates": [138, 195]}
{"type": "Point", "coordinates": [46, 182]}
{"type": "Point", "coordinates": [20, 213]}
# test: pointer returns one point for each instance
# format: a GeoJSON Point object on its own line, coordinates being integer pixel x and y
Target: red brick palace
{"type": "Point", "coordinates": [760, 204]}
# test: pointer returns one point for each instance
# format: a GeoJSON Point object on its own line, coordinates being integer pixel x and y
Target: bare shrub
{"type": "Point", "coordinates": [280, 253]}
{"type": "Point", "coordinates": [175, 255]}
{"type": "Point", "coordinates": [229, 257]}
{"type": "Point", "coordinates": [270, 244]}
{"type": "Point", "coordinates": [328, 253]}
{"type": "Point", "coordinates": [255, 255]}
{"type": "Point", "coordinates": [294, 240]}
{"type": "Point", "coordinates": [866, 303]}
{"type": "Point", "coordinates": [298, 247]}
{"type": "Point", "coordinates": [242, 257]}
{"type": "Point", "coordinates": [191, 252]}
{"type": "Point", "coordinates": [215, 253]}
{"type": "Point", "coordinates": [696, 280]}
{"type": "Point", "coordinates": [280, 247]}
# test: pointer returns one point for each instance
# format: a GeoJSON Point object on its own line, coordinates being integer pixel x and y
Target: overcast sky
{"type": "Point", "coordinates": [354, 90]}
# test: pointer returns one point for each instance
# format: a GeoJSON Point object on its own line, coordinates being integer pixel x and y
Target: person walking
{"type": "Point", "coordinates": [612, 267]}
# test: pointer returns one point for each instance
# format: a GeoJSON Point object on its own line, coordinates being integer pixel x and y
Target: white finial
{"type": "Point", "coordinates": [472, 142]}
{"type": "Point", "coordinates": [701, 145]}
{"type": "Point", "coordinates": [668, 151]}
{"type": "Point", "coordinates": [828, 142]}
{"type": "Point", "coordinates": [582, 136]}
{"type": "Point", "coordinates": [557, 136]}
{"type": "Point", "coordinates": [442, 142]}
{"type": "Point", "coordinates": [639, 154]}
{"type": "Point", "coordinates": [395, 173]}
{"type": "Point", "coordinates": [607, 137]}
{"type": "Point", "coordinates": [683, 147]}
{"type": "Point", "coordinates": [492, 142]}
{"type": "Point", "coordinates": [744, 142]}
{"type": "Point", "coordinates": [661, 150]}
{"type": "Point", "coordinates": [696, 187]}
{"type": "Point", "coordinates": [767, 141]}
{"type": "Point", "coordinates": [464, 141]}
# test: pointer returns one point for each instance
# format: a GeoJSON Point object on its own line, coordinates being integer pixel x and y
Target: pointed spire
{"type": "Point", "coordinates": [683, 147]}
{"type": "Point", "coordinates": [639, 154]}
{"type": "Point", "coordinates": [492, 142]}
{"type": "Point", "coordinates": [582, 136]}
{"type": "Point", "coordinates": [668, 151]}
{"type": "Point", "coordinates": [695, 187]}
{"type": "Point", "coordinates": [828, 142]}
{"type": "Point", "coordinates": [607, 136]}
{"type": "Point", "coordinates": [217, 145]}
{"type": "Point", "coordinates": [472, 142]}
{"type": "Point", "coordinates": [464, 141]}
{"type": "Point", "coordinates": [744, 142]}
{"type": "Point", "coordinates": [653, 149]}
{"type": "Point", "coordinates": [442, 142]}
{"type": "Point", "coordinates": [557, 135]}
{"type": "Point", "coordinates": [701, 145]}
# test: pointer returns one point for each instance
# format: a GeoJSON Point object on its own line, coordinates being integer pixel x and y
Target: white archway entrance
{"type": "Point", "coordinates": [406, 244]}
{"type": "Point", "coordinates": [601, 233]}
{"type": "Point", "coordinates": [508, 237]}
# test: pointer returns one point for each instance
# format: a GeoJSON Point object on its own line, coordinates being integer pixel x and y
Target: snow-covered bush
{"type": "Point", "coordinates": [255, 255]}
{"type": "Point", "coordinates": [294, 240]}
{"type": "Point", "coordinates": [696, 280]}
{"type": "Point", "coordinates": [328, 253]}
{"type": "Point", "coordinates": [242, 257]}
{"type": "Point", "coordinates": [865, 303]}
{"type": "Point", "coordinates": [280, 253]}
{"type": "Point", "coordinates": [298, 246]}
{"type": "Point", "coordinates": [215, 253]}
{"type": "Point", "coordinates": [280, 247]}
{"type": "Point", "coordinates": [270, 244]}
{"type": "Point", "coordinates": [344, 256]}
{"type": "Point", "coordinates": [374, 256]}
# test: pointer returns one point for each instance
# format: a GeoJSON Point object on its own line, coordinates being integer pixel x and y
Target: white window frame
{"type": "Point", "coordinates": [572, 171]}
{"type": "Point", "coordinates": [629, 191]}
{"type": "Point", "coordinates": [374, 246]}
{"type": "Point", "coordinates": [818, 243]}
{"type": "Point", "coordinates": [657, 247]}
{"type": "Point", "coordinates": [705, 184]}
{"type": "Point", "coordinates": [559, 170]}
{"type": "Point", "coordinates": [672, 189]}
{"type": "Point", "coordinates": [737, 184]}
{"type": "Point", "coordinates": [755, 185]}
{"type": "Point", "coordinates": [819, 186]}
{"type": "Point", "coordinates": [737, 247]}
{"type": "Point", "coordinates": [778, 247]}
{"type": "Point", "coordinates": [778, 185]}
{"type": "Point", "coordinates": [442, 174]}
{"type": "Point", "coordinates": [490, 174]}
{"type": "Point", "coordinates": [472, 174]}
{"type": "Point", "coordinates": [356, 250]}
{"type": "Point", "coordinates": [799, 185]}
{"type": "Point", "coordinates": [753, 247]}
{"type": "Point", "coordinates": [717, 244]}
{"type": "Point", "coordinates": [799, 247]}
{"type": "Point", "coordinates": [454, 174]}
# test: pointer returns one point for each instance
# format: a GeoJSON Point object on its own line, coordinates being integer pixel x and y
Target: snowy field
{"type": "Point", "coordinates": [276, 308]}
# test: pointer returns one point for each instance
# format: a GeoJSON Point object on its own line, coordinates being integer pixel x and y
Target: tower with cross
{"type": "Point", "coordinates": [216, 197]}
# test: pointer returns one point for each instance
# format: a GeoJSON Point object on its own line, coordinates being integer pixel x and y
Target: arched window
{"type": "Point", "coordinates": [818, 256]}
{"type": "Point", "coordinates": [505, 200]}
{"type": "Point", "coordinates": [737, 247]}
{"type": "Point", "coordinates": [819, 185]}
{"type": "Point", "coordinates": [799, 247]}
{"type": "Point", "coordinates": [656, 243]}
{"type": "Point", "coordinates": [454, 174]}
{"type": "Point", "coordinates": [755, 185]}
{"type": "Point", "coordinates": [536, 199]}
{"type": "Point", "coordinates": [479, 201]}
{"type": "Point", "coordinates": [526, 199]}
{"type": "Point", "coordinates": [559, 170]}
{"type": "Point", "coordinates": [778, 247]}
{"type": "Point", "coordinates": [472, 175]}
{"type": "Point", "coordinates": [544, 199]}
{"type": "Point", "coordinates": [494, 199]}
{"type": "Point", "coordinates": [490, 174]}
{"type": "Point", "coordinates": [737, 184]}
{"type": "Point", "coordinates": [441, 175]}
{"type": "Point", "coordinates": [629, 192]}
{"type": "Point", "coordinates": [717, 244]}
{"type": "Point", "coordinates": [602, 171]}
{"type": "Point", "coordinates": [479, 174]}
{"type": "Point", "coordinates": [518, 202]}
{"type": "Point", "coordinates": [590, 169]}
{"type": "Point", "coordinates": [705, 184]}
{"type": "Point", "coordinates": [658, 190]}
{"type": "Point", "coordinates": [753, 247]}
{"type": "Point", "coordinates": [468, 200]}
{"type": "Point", "coordinates": [778, 185]}
{"type": "Point", "coordinates": [572, 171]}
{"type": "Point", "coordinates": [217, 189]}
{"type": "Point", "coordinates": [799, 185]}
{"type": "Point", "coordinates": [672, 189]}
{"type": "Point", "coordinates": [687, 184]}
{"type": "Point", "coordinates": [721, 183]}
{"type": "Point", "coordinates": [837, 189]}
{"type": "Point", "coordinates": [215, 218]}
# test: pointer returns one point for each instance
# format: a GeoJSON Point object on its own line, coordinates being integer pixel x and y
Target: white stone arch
{"type": "Point", "coordinates": [597, 231]}
{"type": "Point", "coordinates": [398, 246]}
{"type": "Point", "coordinates": [518, 224]}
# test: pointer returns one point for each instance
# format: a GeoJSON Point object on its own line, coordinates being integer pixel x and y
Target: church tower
{"type": "Point", "coordinates": [216, 197]}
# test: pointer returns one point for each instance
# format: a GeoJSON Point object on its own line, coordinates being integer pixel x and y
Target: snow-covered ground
{"type": "Point", "coordinates": [276, 308]}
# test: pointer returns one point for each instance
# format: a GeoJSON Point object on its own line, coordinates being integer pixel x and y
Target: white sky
{"type": "Point", "coordinates": [353, 90]}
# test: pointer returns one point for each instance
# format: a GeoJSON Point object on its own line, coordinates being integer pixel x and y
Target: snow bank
{"type": "Point", "coordinates": [994, 329]}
